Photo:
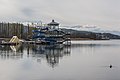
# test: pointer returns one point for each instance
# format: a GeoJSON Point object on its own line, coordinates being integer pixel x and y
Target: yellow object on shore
{"type": "Point", "coordinates": [14, 39]}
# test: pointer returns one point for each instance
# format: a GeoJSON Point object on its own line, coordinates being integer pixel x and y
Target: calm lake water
{"type": "Point", "coordinates": [84, 60]}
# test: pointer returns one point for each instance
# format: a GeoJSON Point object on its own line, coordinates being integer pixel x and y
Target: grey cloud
{"type": "Point", "coordinates": [27, 12]}
{"type": "Point", "coordinates": [67, 12]}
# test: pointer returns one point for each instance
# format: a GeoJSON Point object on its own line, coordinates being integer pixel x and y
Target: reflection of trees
{"type": "Point", "coordinates": [6, 52]}
{"type": "Point", "coordinates": [52, 53]}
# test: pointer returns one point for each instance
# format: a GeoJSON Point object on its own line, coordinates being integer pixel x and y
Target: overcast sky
{"type": "Point", "coordinates": [103, 13]}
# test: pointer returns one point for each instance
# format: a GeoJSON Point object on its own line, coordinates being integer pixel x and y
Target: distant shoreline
{"type": "Point", "coordinates": [80, 39]}
{"type": "Point", "coordinates": [86, 39]}
{"type": "Point", "coordinates": [72, 39]}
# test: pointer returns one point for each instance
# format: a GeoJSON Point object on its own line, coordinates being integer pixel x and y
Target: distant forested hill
{"type": "Point", "coordinates": [90, 35]}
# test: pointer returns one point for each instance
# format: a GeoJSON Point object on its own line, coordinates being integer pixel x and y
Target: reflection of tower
{"type": "Point", "coordinates": [52, 53]}
{"type": "Point", "coordinates": [52, 58]}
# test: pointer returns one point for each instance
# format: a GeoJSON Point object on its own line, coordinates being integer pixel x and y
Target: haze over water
{"type": "Point", "coordinates": [84, 60]}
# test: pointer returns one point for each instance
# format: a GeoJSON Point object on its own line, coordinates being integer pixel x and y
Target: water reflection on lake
{"type": "Point", "coordinates": [51, 53]}
{"type": "Point", "coordinates": [84, 60]}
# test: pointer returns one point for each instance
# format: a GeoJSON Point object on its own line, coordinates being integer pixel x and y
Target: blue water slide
{"type": "Point", "coordinates": [50, 40]}
{"type": "Point", "coordinates": [40, 36]}
{"type": "Point", "coordinates": [36, 31]}
{"type": "Point", "coordinates": [45, 28]}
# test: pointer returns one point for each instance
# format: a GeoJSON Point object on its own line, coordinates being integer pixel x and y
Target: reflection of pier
{"type": "Point", "coordinates": [52, 53]}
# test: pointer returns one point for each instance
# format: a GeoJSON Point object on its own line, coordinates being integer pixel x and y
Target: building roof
{"type": "Point", "coordinates": [53, 23]}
